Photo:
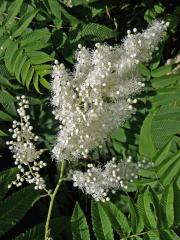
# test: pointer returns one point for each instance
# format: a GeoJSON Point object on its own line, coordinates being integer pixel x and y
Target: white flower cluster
{"type": "Point", "coordinates": [99, 182]}
{"type": "Point", "coordinates": [95, 98]}
{"type": "Point", "coordinates": [25, 154]}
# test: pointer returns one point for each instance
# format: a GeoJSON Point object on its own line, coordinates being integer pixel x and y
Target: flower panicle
{"type": "Point", "coordinates": [26, 156]}
{"type": "Point", "coordinates": [99, 182]}
{"type": "Point", "coordinates": [99, 95]}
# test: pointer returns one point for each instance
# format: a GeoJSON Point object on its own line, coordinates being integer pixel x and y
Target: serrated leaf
{"type": "Point", "coordinates": [39, 35]}
{"type": "Point", "coordinates": [164, 81]}
{"type": "Point", "coordinates": [171, 173]}
{"type": "Point", "coordinates": [4, 116]}
{"type": "Point", "coordinates": [146, 146]}
{"type": "Point", "coordinates": [57, 225]}
{"type": "Point", "coordinates": [4, 42]}
{"type": "Point", "coordinates": [24, 71]}
{"type": "Point", "coordinates": [24, 22]}
{"type": "Point", "coordinates": [118, 220]}
{"type": "Point", "coordinates": [29, 77]}
{"type": "Point", "coordinates": [71, 19]}
{"type": "Point", "coordinates": [144, 70]}
{"type": "Point", "coordinates": [38, 57]}
{"type": "Point", "coordinates": [153, 235]}
{"type": "Point", "coordinates": [11, 50]}
{"type": "Point", "coordinates": [137, 223]}
{"type": "Point", "coordinates": [17, 55]}
{"type": "Point", "coordinates": [6, 177]}
{"type": "Point", "coordinates": [55, 9]}
{"type": "Point", "coordinates": [162, 153]}
{"type": "Point", "coordinates": [165, 124]}
{"type": "Point", "coordinates": [97, 32]}
{"type": "Point", "coordinates": [167, 163]}
{"type": "Point", "coordinates": [36, 82]}
{"type": "Point", "coordinates": [165, 96]}
{"type": "Point", "coordinates": [13, 10]}
{"type": "Point", "coordinates": [45, 83]}
{"type": "Point", "coordinates": [161, 71]}
{"type": "Point", "coordinates": [145, 204]}
{"type": "Point", "coordinates": [20, 60]}
{"type": "Point", "coordinates": [79, 225]}
{"type": "Point", "coordinates": [6, 97]}
{"type": "Point", "coordinates": [101, 224]}
{"type": "Point", "coordinates": [10, 108]}
{"type": "Point", "coordinates": [169, 235]}
{"type": "Point", "coordinates": [14, 208]}
{"type": "Point", "coordinates": [3, 134]}
{"type": "Point", "coordinates": [36, 46]}
{"type": "Point", "coordinates": [176, 203]}
{"type": "Point", "coordinates": [167, 206]}
{"type": "Point", "coordinates": [4, 81]}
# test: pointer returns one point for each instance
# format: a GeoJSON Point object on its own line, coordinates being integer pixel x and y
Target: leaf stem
{"type": "Point", "coordinates": [53, 195]}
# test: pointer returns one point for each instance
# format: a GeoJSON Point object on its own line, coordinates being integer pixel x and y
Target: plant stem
{"type": "Point", "coordinates": [53, 195]}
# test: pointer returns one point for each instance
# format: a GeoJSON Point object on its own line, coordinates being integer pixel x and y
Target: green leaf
{"type": "Point", "coordinates": [146, 146]}
{"type": "Point", "coordinates": [4, 42]}
{"type": "Point", "coordinates": [6, 97]}
{"type": "Point", "coordinates": [55, 9]}
{"type": "Point", "coordinates": [167, 207]}
{"type": "Point", "coordinates": [165, 124]}
{"type": "Point", "coordinates": [14, 208]}
{"type": "Point", "coordinates": [15, 58]}
{"type": "Point", "coordinates": [4, 116]}
{"type": "Point", "coordinates": [24, 22]}
{"type": "Point", "coordinates": [57, 225]}
{"type": "Point", "coordinates": [38, 57]}
{"type": "Point", "coordinates": [20, 60]}
{"type": "Point", "coordinates": [145, 203]}
{"type": "Point", "coordinates": [36, 46]}
{"type": "Point", "coordinates": [101, 224]}
{"type": "Point", "coordinates": [45, 83]}
{"type": "Point", "coordinates": [166, 96]}
{"type": "Point", "coordinates": [13, 10]}
{"type": "Point", "coordinates": [118, 220]}
{"type": "Point", "coordinates": [153, 235]}
{"type": "Point", "coordinates": [165, 81]}
{"type": "Point", "coordinates": [137, 224]}
{"type": "Point", "coordinates": [161, 71]}
{"type": "Point", "coordinates": [79, 225]}
{"type": "Point", "coordinates": [36, 82]}
{"type": "Point", "coordinates": [4, 81]}
{"type": "Point", "coordinates": [39, 35]}
{"type": "Point", "coordinates": [29, 77]}
{"type": "Point", "coordinates": [144, 70]}
{"type": "Point", "coordinates": [71, 19]}
{"type": "Point", "coordinates": [167, 164]}
{"type": "Point", "coordinates": [169, 235]}
{"type": "Point", "coordinates": [3, 134]}
{"type": "Point", "coordinates": [24, 71]}
{"type": "Point", "coordinates": [11, 50]}
{"type": "Point", "coordinates": [6, 177]}
{"type": "Point", "coordinates": [97, 32]}
{"type": "Point", "coordinates": [10, 108]}
{"type": "Point", "coordinates": [176, 203]}
{"type": "Point", "coordinates": [162, 153]}
{"type": "Point", "coordinates": [171, 173]}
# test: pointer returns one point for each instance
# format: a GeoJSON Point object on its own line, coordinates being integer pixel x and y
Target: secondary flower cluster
{"type": "Point", "coordinates": [97, 97]}
{"type": "Point", "coordinates": [25, 154]}
{"type": "Point", "coordinates": [98, 181]}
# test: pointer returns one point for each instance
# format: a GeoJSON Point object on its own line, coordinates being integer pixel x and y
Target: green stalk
{"type": "Point", "coordinates": [53, 195]}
